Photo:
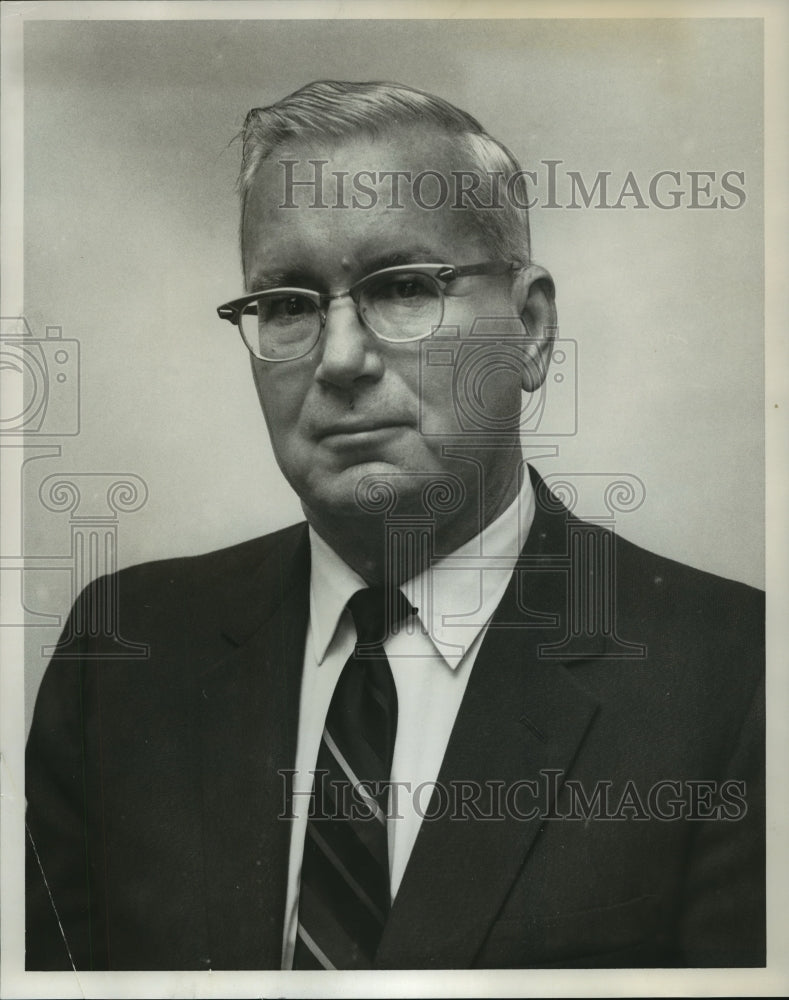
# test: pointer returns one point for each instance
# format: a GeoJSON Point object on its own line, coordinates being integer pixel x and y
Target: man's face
{"type": "Point", "coordinates": [355, 405]}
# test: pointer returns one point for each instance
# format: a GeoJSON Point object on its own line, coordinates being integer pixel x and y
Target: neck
{"type": "Point", "coordinates": [367, 542]}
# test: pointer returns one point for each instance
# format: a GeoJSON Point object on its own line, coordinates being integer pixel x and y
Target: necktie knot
{"type": "Point", "coordinates": [377, 611]}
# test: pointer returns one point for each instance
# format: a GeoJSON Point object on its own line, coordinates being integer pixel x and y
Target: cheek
{"type": "Point", "coordinates": [281, 396]}
{"type": "Point", "coordinates": [436, 398]}
{"type": "Point", "coordinates": [479, 393]}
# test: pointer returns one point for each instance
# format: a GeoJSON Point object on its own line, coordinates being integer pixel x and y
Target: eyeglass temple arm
{"type": "Point", "coordinates": [494, 267]}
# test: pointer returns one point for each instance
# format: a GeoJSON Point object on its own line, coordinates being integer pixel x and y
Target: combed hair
{"type": "Point", "coordinates": [337, 109]}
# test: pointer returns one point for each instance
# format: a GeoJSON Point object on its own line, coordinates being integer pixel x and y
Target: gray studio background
{"type": "Point", "coordinates": [130, 244]}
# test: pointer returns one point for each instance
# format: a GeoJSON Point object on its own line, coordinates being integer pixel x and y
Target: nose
{"type": "Point", "coordinates": [350, 352]}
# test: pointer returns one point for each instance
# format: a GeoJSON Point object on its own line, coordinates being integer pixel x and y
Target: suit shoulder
{"type": "Point", "coordinates": [196, 587]}
{"type": "Point", "coordinates": [696, 607]}
{"type": "Point", "coordinates": [240, 559]}
{"type": "Point", "coordinates": [697, 642]}
{"type": "Point", "coordinates": [186, 609]}
{"type": "Point", "coordinates": [683, 579]}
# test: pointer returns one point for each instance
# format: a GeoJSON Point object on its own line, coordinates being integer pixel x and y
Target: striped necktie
{"type": "Point", "coordinates": [344, 897]}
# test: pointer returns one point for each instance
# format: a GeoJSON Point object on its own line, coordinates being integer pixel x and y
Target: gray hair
{"type": "Point", "coordinates": [336, 109]}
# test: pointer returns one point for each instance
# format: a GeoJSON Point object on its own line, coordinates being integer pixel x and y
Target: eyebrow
{"type": "Point", "coordinates": [262, 281]}
{"type": "Point", "coordinates": [396, 258]}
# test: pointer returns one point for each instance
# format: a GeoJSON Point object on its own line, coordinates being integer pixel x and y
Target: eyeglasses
{"type": "Point", "coordinates": [397, 304]}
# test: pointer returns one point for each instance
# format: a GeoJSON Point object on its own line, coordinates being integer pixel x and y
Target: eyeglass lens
{"type": "Point", "coordinates": [396, 307]}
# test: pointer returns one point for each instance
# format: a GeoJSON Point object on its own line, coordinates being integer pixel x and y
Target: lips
{"type": "Point", "coordinates": [352, 427]}
{"type": "Point", "coordinates": [361, 437]}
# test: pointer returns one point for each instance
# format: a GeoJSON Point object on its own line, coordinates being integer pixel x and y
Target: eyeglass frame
{"type": "Point", "coordinates": [446, 273]}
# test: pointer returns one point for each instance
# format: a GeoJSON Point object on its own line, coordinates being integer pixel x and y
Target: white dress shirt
{"type": "Point", "coordinates": [431, 665]}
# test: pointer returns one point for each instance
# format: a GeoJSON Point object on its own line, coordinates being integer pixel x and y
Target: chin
{"type": "Point", "coordinates": [380, 488]}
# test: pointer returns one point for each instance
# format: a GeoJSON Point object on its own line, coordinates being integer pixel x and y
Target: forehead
{"type": "Point", "coordinates": [341, 206]}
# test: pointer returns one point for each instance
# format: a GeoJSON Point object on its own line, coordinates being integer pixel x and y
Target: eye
{"type": "Point", "coordinates": [406, 289]}
{"type": "Point", "coordinates": [283, 308]}
{"type": "Point", "coordinates": [403, 289]}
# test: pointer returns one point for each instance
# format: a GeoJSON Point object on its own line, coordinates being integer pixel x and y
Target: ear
{"type": "Point", "coordinates": [534, 295]}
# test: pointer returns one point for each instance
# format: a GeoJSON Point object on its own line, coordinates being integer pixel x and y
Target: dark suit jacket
{"type": "Point", "coordinates": [154, 794]}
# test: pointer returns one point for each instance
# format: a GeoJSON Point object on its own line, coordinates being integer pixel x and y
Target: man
{"type": "Point", "coordinates": [444, 723]}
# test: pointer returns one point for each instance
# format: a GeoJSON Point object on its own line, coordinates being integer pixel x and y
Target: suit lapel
{"type": "Point", "coordinates": [248, 706]}
{"type": "Point", "coordinates": [522, 717]}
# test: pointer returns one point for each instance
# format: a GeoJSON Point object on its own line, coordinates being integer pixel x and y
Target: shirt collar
{"type": "Point", "coordinates": [456, 596]}
{"type": "Point", "coordinates": [332, 584]}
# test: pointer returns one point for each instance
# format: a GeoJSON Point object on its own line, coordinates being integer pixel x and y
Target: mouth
{"type": "Point", "coordinates": [357, 432]}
